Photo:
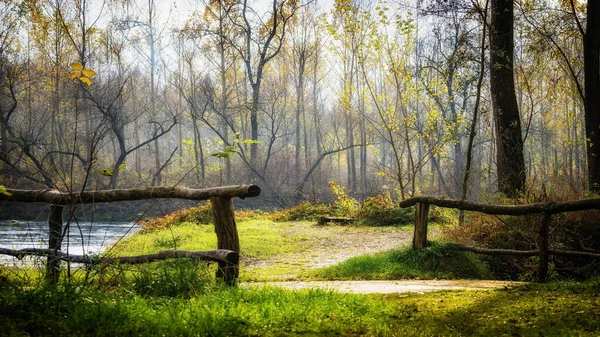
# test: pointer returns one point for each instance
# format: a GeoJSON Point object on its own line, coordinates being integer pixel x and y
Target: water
{"type": "Point", "coordinates": [83, 238]}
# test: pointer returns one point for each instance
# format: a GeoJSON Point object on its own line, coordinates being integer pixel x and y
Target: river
{"type": "Point", "coordinates": [83, 238]}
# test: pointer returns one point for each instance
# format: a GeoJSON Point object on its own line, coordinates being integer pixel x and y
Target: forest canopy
{"type": "Point", "coordinates": [460, 98]}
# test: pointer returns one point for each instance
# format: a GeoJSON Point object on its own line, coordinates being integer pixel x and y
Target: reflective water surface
{"type": "Point", "coordinates": [82, 238]}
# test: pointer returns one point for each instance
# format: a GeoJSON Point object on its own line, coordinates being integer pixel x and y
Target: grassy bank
{"type": "Point", "coordinates": [563, 309]}
{"type": "Point", "coordinates": [440, 260]}
{"type": "Point", "coordinates": [274, 250]}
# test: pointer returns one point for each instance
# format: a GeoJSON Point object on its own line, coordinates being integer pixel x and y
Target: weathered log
{"type": "Point", "coordinates": [227, 235]}
{"type": "Point", "coordinates": [63, 198]}
{"type": "Point", "coordinates": [55, 224]}
{"type": "Point", "coordinates": [543, 246]}
{"type": "Point", "coordinates": [326, 219]}
{"type": "Point", "coordinates": [421, 217]}
{"type": "Point", "coordinates": [549, 207]}
{"type": "Point", "coordinates": [224, 256]}
{"type": "Point", "coordinates": [573, 253]}
{"type": "Point", "coordinates": [492, 251]}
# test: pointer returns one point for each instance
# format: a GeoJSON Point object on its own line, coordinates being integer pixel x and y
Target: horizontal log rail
{"type": "Point", "coordinates": [223, 256]}
{"type": "Point", "coordinates": [514, 252]}
{"type": "Point", "coordinates": [88, 197]}
{"type": "Point", "coordinates": [541, 207]}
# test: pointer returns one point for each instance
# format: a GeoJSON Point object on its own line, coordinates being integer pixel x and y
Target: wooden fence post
{"type": "Point", "coordinates": [543, 246]}
{"type": "Point", "coordinates": [421, 215]}
{"type": "Point", "coordinates": [55, 224]}
{"type": "Point", "coordinates": [227, 236]}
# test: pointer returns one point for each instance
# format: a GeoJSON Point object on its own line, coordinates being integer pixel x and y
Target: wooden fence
{"type": "Point", "coordinates": [228, 244]}
{"type": "Point", "coordinates": [545, 209]}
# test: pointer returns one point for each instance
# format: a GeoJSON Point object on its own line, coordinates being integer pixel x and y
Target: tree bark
{"type": "Point", "coordinates": [227, 235]}
{"type": "Point", "coordinates": [509, 141]}
{"type": "Point", "coordinates": [89, 197]}
{"type": "Point", "coordinates": [55, 224]}
{"type": "Point", "coordinates": [591, 56]}
{"type": "Point", "coordinates": [420, 236]}
{"type": "Point", "coordinates": [543, 246]}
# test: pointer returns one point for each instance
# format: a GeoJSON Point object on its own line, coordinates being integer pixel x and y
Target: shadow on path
{"type": "Point", "coordinates": [389, 287]}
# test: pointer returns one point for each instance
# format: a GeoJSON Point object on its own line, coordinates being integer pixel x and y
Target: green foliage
{"type": "Point", "coordinates": [305, 211]}
{"type": "Point", "coordinates": [382, 211]}
{"type": "Point", "coordinates": [373, 211]}
{"type": "Point", "coordinates": [4, 191]}
{"type": "Point", "coordinates": [440, 260]}
{"type": "Point", "coordinates": [344, 205]}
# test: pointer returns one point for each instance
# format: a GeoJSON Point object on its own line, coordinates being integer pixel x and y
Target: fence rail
{"type": "Point", "coordinates": [546, 209]}
{"type": "Point", "coordinates": [228, 246]}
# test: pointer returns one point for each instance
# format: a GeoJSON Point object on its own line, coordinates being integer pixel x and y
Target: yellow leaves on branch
{"type": "Point", "coordinates": [79, 72]}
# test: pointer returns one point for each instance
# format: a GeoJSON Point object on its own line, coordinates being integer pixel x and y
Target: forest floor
{"type": "Point", "coordinates": [331, 245]}
{"type": "Point", "coordinates": [325, 246]}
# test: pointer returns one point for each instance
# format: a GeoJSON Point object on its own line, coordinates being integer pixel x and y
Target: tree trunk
{"type": "Point", "coordinates": [510, 162]}
{"type": "Point", "coordinates": [591, 57]}
{"type": "Point", "coordinates": [254, 125]}
{"type": "Point", "coordinates": [420, 236]}
{"type": "Point", "coordinates": [227, 235]}
{"type": "Point", "coordinates": [55, 224]}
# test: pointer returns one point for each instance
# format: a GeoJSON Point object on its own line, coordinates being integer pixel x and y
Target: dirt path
{"type": "Point", "coordinates": [389, 287]}
{"type": "Point", "coordinates": [324, 247]}
{"type": "Point", "coordinates": [333, 244]}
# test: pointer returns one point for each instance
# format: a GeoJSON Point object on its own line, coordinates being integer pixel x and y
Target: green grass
{"type": "Point", "coordinates": [565, 309]}
{"type": "Point", "coordinates": [440, 260]}
{"type": "Point", "coordinates": [269, 250]}
{"type": "Point", "coordinates": [260, 238]}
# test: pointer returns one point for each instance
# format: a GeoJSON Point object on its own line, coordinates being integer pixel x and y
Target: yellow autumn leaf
{"type": "Point", "coordinates": [76, 66]}
{"type": "Point", "coordinates": [74, 74]}
{"type": "Point", "coordinates": [4, 191]}
{"type": "Point", "coordinates": [88, 72]}
{"type": "Point", "coordinates": [85, 80]}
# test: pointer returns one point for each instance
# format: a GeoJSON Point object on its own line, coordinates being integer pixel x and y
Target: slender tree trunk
{"type": "Point", "coordinates": [299, 112]}
{"type": "Point", "coordinates": [254, 124]}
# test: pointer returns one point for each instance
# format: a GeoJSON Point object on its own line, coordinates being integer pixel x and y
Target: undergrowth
{"type": "Point", "coordinates": [379, 210]}
{"type": "Point", "coordinates": [439, 260]}
{"type": "Point", "coordinates": [578, 231]}
{"type": "Point", "coordinates": [201, 214]}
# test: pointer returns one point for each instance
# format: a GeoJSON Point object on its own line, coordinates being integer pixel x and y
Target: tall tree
{"type": "Point", "coordinates": [510, 161]}
{"type": "Point", "coordinates": [262, 41]}
{"type": "Point", "coordinates": [591, 57]}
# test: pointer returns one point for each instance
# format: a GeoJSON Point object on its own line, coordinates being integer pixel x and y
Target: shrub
{"type": "Point", "coordinates": [198, 214]}
{"type": "Point", "coordinates": [201, 214]}
{"type": "Point", "coordinates": [382, 211]}
{"type": "Point", "coordinates": [579, 231]}
{"type": "Point", "coordinates": [305, 211]}
{"type": "Point", "coordinates": [344, 205]}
